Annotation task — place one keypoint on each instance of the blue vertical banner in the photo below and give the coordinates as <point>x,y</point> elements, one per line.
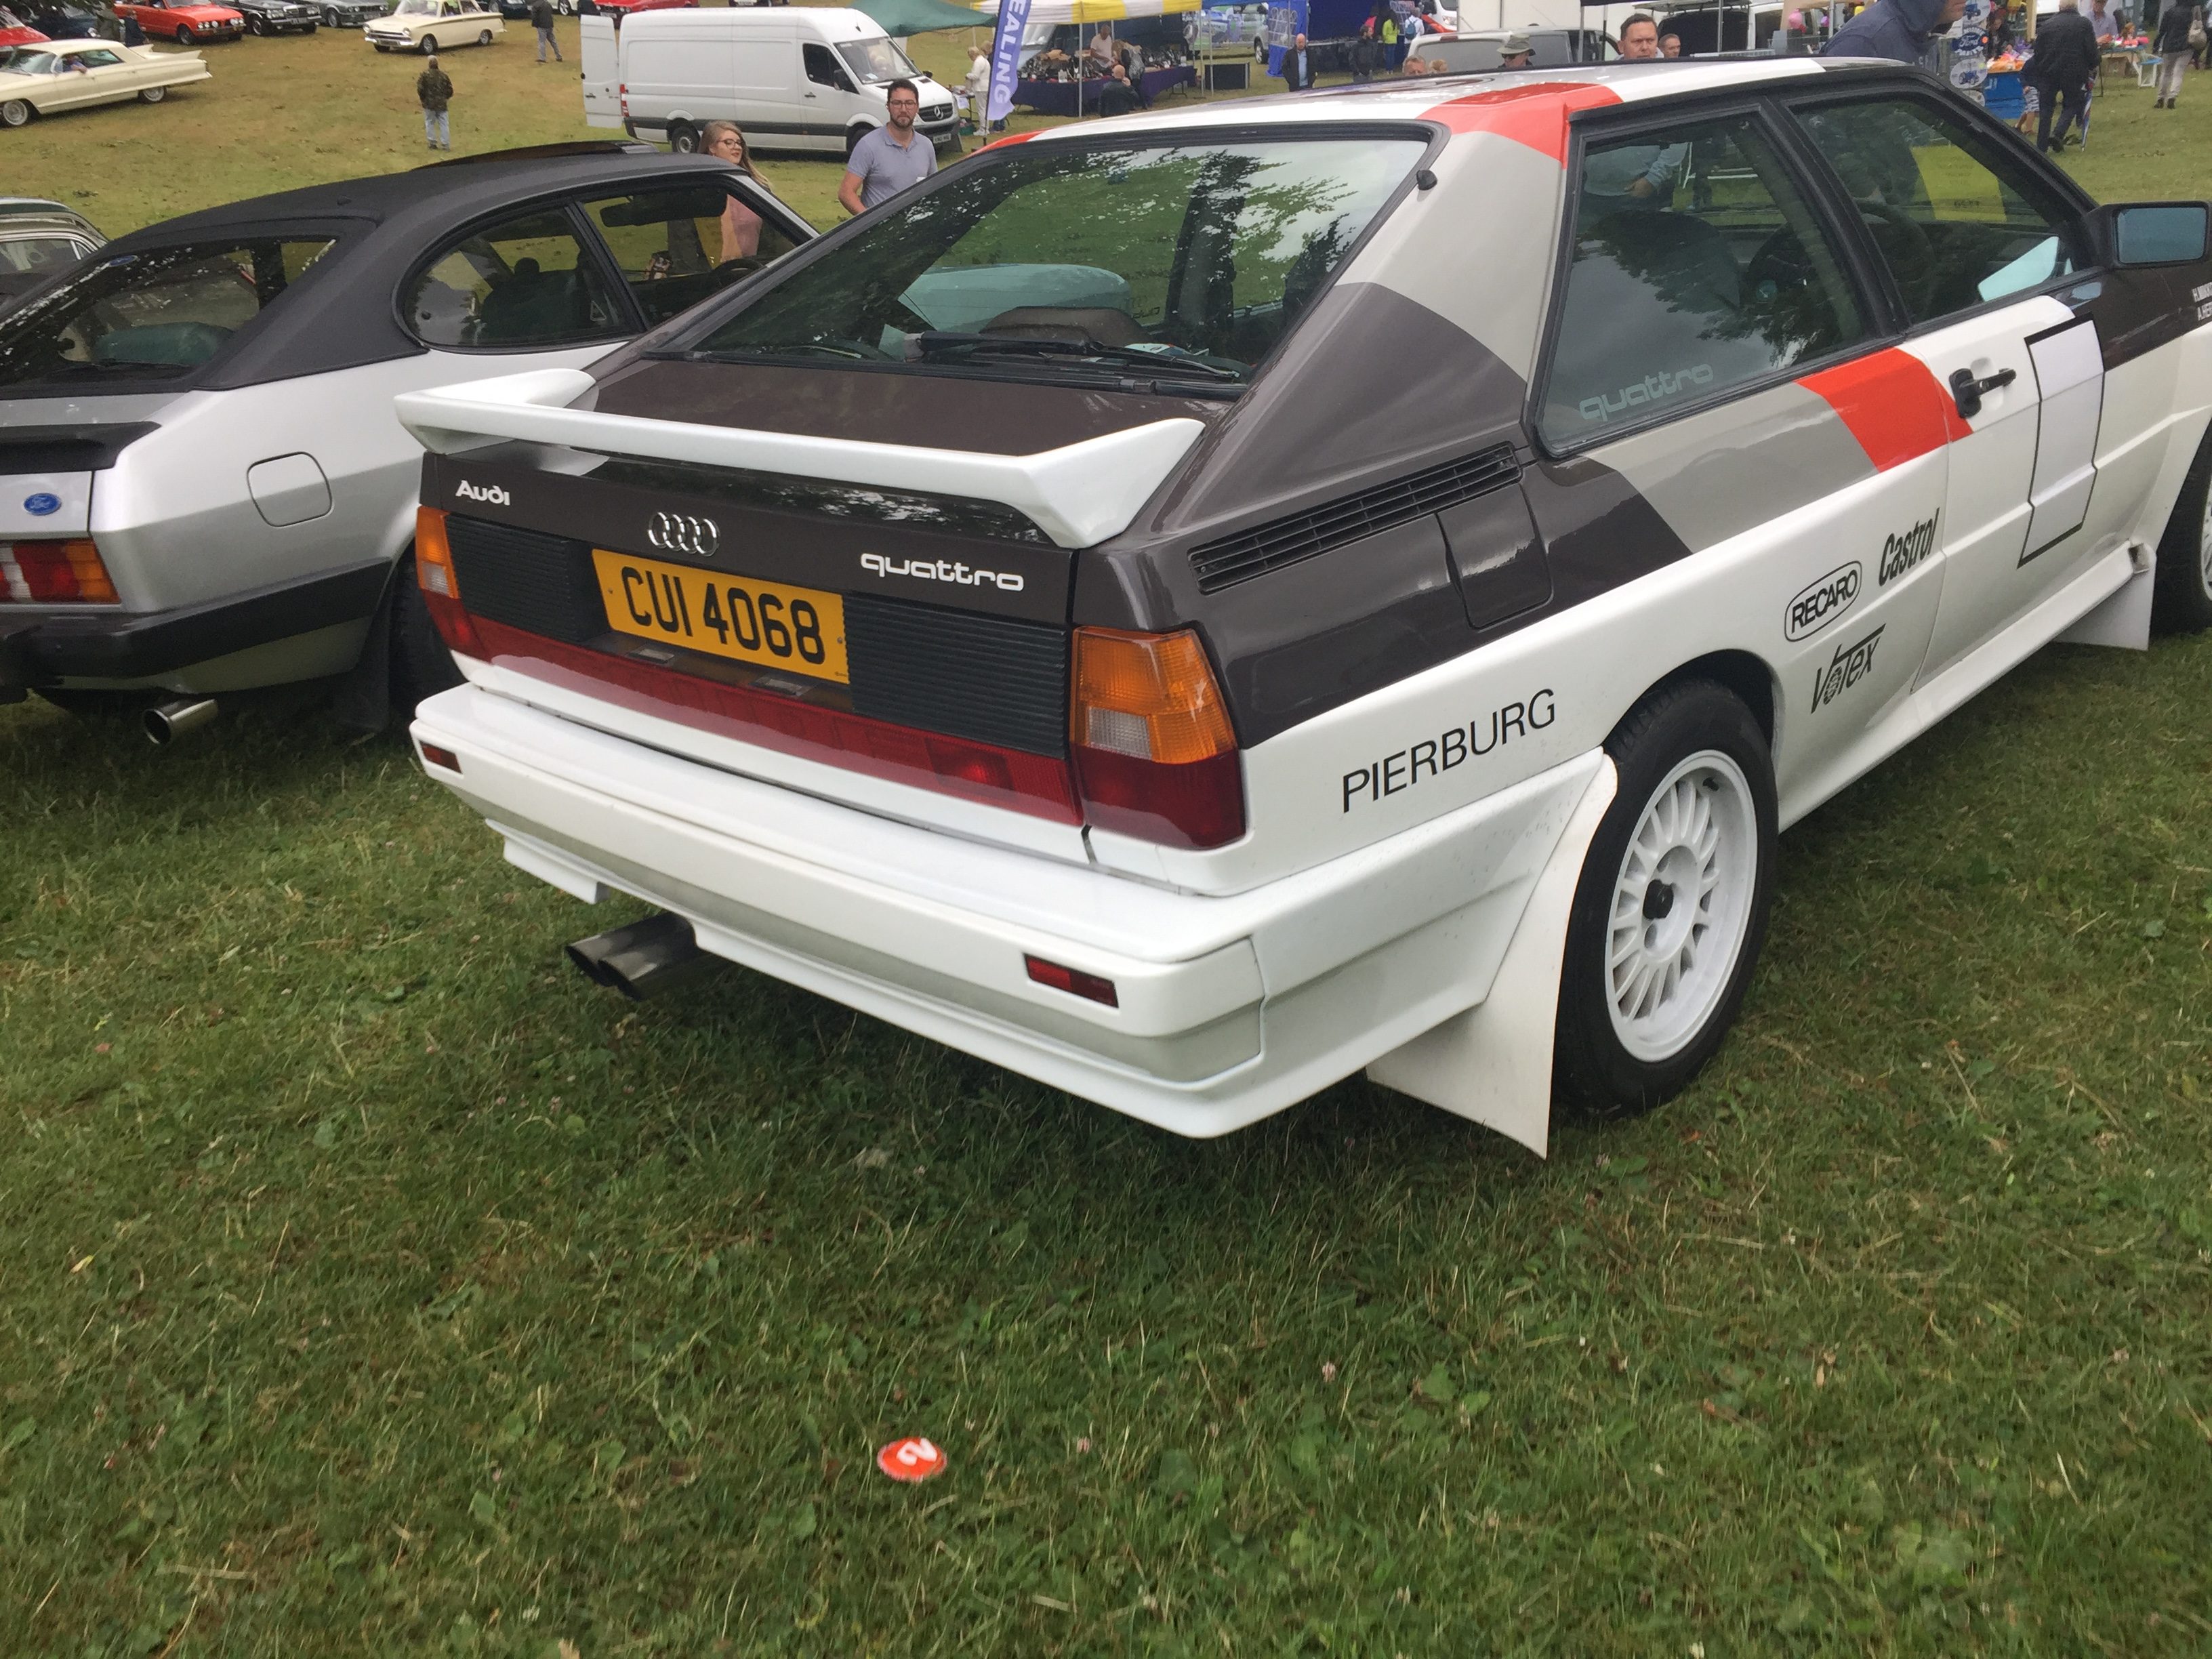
<point>1285,22</point>
<point>1007,56</point>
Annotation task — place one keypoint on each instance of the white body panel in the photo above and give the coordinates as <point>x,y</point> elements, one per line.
<point>601,57</point>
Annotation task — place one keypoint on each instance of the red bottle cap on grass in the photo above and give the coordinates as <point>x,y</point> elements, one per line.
<point>911,1459</point>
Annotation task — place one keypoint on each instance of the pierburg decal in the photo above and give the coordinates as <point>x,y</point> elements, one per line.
<point>1823,602</point>
<point>492,493</point>
<point>1434,756</point>
<point>942,570</point>
<point>1849,664</point>
<point>1901,554</point>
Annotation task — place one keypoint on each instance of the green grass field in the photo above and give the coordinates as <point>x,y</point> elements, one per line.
<point>372,1284</point>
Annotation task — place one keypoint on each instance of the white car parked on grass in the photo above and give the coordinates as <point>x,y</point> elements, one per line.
<point>428,26</point>
<point>54,76</point>
<point>1366,640</point>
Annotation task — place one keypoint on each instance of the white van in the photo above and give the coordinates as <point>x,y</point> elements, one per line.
<point>794,77</point>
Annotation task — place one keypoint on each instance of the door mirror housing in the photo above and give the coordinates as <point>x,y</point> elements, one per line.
<point>2152,233</point>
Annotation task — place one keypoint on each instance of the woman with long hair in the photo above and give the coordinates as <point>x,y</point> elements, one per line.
<point>741,226</point>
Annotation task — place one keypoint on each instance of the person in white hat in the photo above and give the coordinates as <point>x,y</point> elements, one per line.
<point>1515,51</point>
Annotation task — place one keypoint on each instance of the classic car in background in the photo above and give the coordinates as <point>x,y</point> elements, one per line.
<point>202,486</point>
<point>186,23</point>
<point>74,19</point>
<point>59,74</point>
<point>425,26</point>
<point>279,16</point>
<point>15,32</point>
<point>349,14</point>
<point>39,240</point>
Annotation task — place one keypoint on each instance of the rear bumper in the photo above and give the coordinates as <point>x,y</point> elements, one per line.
<point>105,643</point>
<point>1230,1007</point>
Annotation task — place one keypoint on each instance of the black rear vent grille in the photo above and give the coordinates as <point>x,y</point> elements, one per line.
<point>541,583</point>
<point>1286,541</point>
<point>989,679</point>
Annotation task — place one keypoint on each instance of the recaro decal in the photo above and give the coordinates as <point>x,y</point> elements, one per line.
<point>1649,390</point>
<point>1822,602</point>
<point>1448,750</point>
<point>1849,664</point>
<point>1900,553</point>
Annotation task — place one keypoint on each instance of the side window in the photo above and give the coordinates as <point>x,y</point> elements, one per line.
<point>97,59</point>
<point>1696,266</point>
<point>1959,222</point>
<point>821,67</point>
<point>524,283</point>
<point>677,246</point>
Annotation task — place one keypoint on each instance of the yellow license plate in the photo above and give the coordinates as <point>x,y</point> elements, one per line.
<point>755,622</point>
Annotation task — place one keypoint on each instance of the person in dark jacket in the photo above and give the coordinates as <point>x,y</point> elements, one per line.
<point>2064,62</point>
<point>1297,69</point>
<point>541,18</point>
<point>434,90</point>
<point>1900,30</point>
<point>2173,53</point>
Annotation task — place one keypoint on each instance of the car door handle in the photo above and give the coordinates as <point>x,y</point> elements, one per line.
<point>1966,391</point>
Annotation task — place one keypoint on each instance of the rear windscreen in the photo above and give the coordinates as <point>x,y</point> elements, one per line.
<point>154,315</point>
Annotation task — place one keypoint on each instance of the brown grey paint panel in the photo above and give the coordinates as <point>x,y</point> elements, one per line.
<point>1496,555</point>
<point>937,411</point>
<point>1598,531</point>
<point>1719,473</point>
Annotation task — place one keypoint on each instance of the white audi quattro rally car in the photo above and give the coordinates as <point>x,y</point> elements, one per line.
<point>1192,606</point>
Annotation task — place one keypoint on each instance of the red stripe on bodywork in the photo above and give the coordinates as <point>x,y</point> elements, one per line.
<point>1010,138</point>
<point>1535,115</point>
<point>1893,403</point>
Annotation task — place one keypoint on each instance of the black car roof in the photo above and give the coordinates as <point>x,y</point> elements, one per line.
<point>341,314</point>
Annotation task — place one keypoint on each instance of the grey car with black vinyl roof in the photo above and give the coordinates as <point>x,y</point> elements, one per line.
<point>203,487</point>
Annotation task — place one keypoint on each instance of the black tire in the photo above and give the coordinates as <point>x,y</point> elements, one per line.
<point>256,26</point>
<point>2181,591</point>
<point>484,37</point>
<point>329,17</point>
<point>420,666</point>
<point>428,46</point>
<point>15,112</point>
<point>853,139</point>
<point>683,138</point>
<point>566,8</point>
<point>1619,1048</point>
<point>183,34</point>
<point>152,95</point>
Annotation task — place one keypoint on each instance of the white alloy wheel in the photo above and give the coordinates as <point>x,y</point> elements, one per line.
<point>14,113</point>
<point>1682,906</point>
<point>484,37</point>
<point>2204,547</point>
<point>153,94</point>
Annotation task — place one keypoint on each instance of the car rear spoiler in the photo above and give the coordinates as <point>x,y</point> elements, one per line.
<point>1079,494</point>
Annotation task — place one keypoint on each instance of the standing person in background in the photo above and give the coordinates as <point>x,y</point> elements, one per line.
<point>541,18</point>
<point>1640,38</point>
<point>1297,65</point>
<point>891,158</point>
<point>2104,20</point>
<point>741,226</point>
<point>978,86</point>
<point>1900,30</point>
<point>434,92</point>
<point>2064,63</point>
<point>2172,46</point>
<point>1670,45</point>
<point>1102,49</point>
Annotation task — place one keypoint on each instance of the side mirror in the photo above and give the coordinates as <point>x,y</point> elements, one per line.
<point>2152,233</point>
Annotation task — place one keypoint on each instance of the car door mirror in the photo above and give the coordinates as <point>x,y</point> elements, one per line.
<point>2152,233</point>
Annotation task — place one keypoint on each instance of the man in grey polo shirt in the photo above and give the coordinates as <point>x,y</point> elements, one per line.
<point>892,158</point>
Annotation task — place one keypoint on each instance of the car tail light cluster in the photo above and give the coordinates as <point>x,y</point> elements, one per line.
<point>441,588</point>
<point>1154,754</point>
<point>54,571</point>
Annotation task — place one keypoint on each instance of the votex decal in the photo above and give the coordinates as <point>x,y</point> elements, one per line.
<point>1851,663</point>
<point>1434,756</point>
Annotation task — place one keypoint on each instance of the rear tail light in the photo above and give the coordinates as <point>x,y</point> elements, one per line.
<point>441,588</point>
<point>57,572</point>
<point>622,93</point>
<point>1154,754</point>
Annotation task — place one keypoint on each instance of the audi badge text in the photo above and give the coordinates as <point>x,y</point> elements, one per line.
<point>492,493</point>
<point>941,570</point>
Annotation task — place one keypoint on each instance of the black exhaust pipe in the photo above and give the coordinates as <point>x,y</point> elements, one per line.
<point>172,720</point>
<point>645,958</point>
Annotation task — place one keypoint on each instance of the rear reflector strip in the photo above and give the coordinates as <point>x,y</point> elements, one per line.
<point>1073,981</point>
<point>1039,784</point>
<point>433,755</point>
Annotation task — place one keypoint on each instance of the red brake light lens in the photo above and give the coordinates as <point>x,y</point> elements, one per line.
<point>1154,754</point>
<point>1073,981</point>
<point>54,573</point>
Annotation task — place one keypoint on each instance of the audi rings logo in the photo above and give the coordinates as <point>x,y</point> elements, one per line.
<point>679,533</point>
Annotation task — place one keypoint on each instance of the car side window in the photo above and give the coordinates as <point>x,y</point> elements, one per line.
<point>98,59</point>
<point>1697,265</point>
<point>676,247</point>
<point>1959,223</point>
<point>526,282</point>
<point>821,67</point>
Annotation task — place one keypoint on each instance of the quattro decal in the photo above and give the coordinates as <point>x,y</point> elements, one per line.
<point>1850,664</point>
<point>1434,756</point>
<point>1823,602</point>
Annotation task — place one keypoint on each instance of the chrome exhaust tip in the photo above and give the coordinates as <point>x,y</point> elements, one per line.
<point>171,720</point>
<point>645,958</point>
